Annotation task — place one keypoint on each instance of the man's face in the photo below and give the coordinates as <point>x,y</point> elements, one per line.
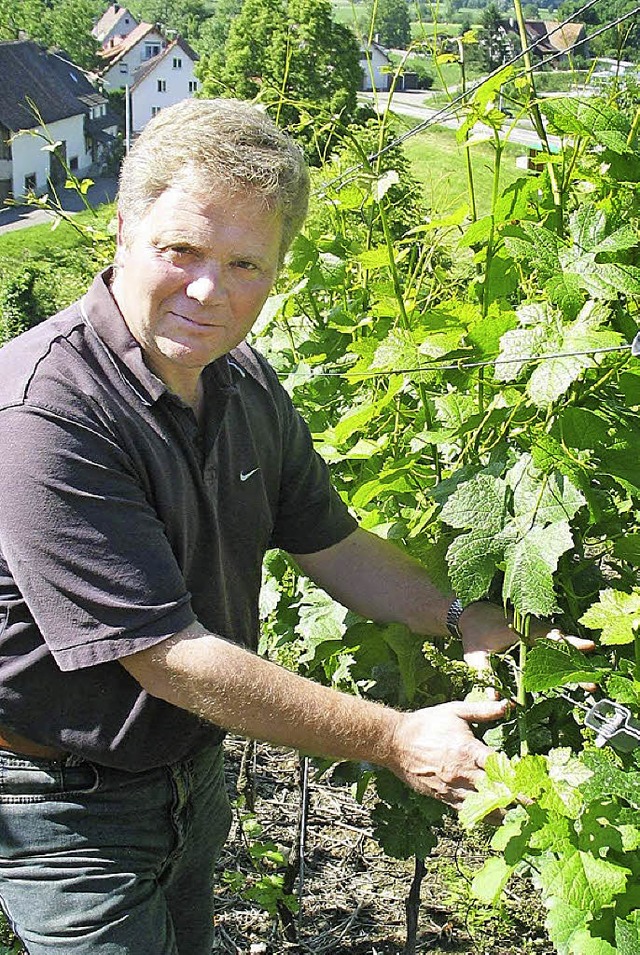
<point>193,277</point>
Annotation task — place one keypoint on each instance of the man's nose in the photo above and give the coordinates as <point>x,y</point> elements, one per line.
<point>205,286</point>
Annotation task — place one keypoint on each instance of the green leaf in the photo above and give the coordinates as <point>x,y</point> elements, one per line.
<point>321,621</point>
<point>581,880</point>
<point>616,614</point>
<point>540,498</point>
<point>530,565</point>
<point>608,778</point>
<point>480,503</point>
<point>488,883</point>
<point>628,935</point>
<point>551,664</point>
<point>472,560</point>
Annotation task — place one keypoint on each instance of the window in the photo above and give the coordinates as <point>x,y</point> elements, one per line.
<point>151,49</point>
<point>73,163</point>
<point>177,63</point>
<point>162,86</point>
<point>5,145</point>
<point>193,86</point>
<point>124,68</point>
<point>155,110</point>
<point>30,182</point>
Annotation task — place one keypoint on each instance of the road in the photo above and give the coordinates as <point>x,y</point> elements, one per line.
<point>413,104</point>
<point>19,217</point>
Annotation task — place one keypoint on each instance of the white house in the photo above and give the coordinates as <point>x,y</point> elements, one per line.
<point>121,56</point>
<point>44,97</point>
<point>162,81</point>
<point>115,22</point>
<point>374,60</point>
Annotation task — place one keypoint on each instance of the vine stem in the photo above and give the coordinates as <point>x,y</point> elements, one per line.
<point>521,625</point>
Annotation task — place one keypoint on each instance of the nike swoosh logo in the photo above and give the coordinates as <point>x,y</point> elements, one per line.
<point>245,475</point>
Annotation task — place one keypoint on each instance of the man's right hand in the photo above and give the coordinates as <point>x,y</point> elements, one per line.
<point>436,753</point>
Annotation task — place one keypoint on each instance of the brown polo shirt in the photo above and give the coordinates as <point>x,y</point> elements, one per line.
<point>122,522</point>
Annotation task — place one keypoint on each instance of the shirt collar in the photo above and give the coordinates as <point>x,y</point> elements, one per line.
<point>102,315</point>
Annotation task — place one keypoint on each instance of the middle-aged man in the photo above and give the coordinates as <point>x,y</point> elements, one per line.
<point>148,459</point>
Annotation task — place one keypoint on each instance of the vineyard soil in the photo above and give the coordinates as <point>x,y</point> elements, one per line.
<point>353,898</point>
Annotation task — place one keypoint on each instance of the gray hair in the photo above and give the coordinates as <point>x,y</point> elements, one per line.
<point>205,145</point>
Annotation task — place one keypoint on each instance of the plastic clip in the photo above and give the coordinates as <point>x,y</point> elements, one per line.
<point>614,724</point>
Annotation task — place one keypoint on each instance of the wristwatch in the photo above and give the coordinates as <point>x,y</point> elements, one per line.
<point>454,613</point>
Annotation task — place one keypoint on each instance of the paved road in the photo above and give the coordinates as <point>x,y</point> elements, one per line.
<point>413,105</point>
<point>19,217</point>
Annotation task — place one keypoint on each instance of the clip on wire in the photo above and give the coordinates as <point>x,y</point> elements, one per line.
<point>612,723</point>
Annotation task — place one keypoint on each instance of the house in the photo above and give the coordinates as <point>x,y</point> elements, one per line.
<point>163,80</point>
<point>115,22</point>
<point>376,67</point>
<point>121,56</point>
<point>44,97</point>
<point>549,38</point>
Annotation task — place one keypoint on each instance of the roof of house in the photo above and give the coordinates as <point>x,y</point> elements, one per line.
<point>109,20</point>
<point>48,80</point>
<point>149,65</point>
<point>551,36</point>
<point>121,45</point>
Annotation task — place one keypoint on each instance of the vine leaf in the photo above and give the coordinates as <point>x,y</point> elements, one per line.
<point>530,565</point>
<point>616,614</point>
<point>551,664</point>
<point>542,336</point>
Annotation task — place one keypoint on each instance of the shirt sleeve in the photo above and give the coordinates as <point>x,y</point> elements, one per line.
<point>84,546</point>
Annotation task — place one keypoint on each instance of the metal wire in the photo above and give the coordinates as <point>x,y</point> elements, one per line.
<point>461,365</point>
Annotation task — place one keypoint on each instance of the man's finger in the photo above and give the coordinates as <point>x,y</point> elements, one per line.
<point>481,711</point>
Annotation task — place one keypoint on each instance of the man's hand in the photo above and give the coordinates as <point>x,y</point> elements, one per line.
<point>436,752</point>
<point>484,631</point>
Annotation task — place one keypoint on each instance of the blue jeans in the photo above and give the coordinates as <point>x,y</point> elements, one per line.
<point>96,861</point>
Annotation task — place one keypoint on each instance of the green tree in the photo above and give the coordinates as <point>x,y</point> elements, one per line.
<point>186,17</point>
<point>492,38</point>
<point>28,17</point>
<point>70,23</point>
<point>391,22</point>
<point>293,57</point>
<point>214,32</point>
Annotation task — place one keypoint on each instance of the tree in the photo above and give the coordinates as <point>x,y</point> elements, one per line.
<point>492,40</point>
<point>214,32</point>
<point>293,57</point>
<point>186,17</point>
<point>70,23</point>
<point>390,22</point>
<point>29,17</point>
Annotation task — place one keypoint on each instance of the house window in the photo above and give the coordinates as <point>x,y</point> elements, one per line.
<point>193,86</point>
<point>151,49</point>
<point>5,145</point>
<point>177,63</point>
<point>162,86</point>
<point>30,182</point>
<point>124,67</point>
<point>155,110</point>
<point>73,163</point>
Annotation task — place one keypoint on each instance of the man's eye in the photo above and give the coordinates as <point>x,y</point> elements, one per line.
<point>245,265</point>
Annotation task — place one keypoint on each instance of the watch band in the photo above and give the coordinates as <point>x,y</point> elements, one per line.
<point>454,613</point>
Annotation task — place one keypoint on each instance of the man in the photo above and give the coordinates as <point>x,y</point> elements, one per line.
<point>149,458</point>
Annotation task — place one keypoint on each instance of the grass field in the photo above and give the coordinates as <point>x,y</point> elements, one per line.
<point>36,239</point>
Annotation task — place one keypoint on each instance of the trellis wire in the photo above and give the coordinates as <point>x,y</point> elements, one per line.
<point>464,365</point>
